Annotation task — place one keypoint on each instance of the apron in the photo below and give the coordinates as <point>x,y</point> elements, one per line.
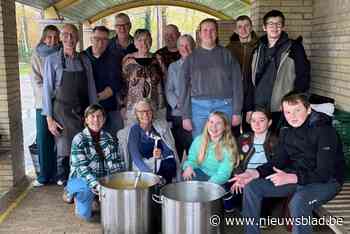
<point>70,101</point>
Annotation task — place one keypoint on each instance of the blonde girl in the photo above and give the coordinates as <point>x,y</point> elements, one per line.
<point>213,154</point>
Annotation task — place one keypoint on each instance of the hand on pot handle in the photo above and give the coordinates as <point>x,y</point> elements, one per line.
<point>188,173</point>
<point>96,189</point>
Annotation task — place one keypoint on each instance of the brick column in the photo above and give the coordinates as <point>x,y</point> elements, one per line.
<point>226,28</point>
<point>298,15</point>
<point>11,142</point>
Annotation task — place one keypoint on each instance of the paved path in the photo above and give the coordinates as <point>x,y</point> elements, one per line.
<point>43,211</point>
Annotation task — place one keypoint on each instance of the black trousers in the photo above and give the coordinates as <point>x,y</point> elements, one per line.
<point>183,138</point>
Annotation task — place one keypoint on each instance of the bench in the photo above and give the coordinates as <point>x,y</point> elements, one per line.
<point>338,207</point>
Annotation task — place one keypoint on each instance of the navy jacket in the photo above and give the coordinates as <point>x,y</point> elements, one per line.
<point>107,70</point>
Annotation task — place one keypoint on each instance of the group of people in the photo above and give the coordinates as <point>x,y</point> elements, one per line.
<point>178,112</point>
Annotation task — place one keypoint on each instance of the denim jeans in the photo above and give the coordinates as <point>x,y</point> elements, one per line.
<point>79,188</point>
<point>201,109</point>
<point>305,198</point>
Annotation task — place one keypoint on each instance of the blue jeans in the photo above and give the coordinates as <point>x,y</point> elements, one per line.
<point>201,109</point>
<point>79,188</point>
<point>305,198</point>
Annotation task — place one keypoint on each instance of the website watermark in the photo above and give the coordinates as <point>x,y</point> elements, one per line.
<point>216,220</point>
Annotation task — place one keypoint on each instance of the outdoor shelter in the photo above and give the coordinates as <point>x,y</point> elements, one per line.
<point>323,24</point>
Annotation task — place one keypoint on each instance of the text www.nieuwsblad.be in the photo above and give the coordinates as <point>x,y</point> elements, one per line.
<point>215,220</point>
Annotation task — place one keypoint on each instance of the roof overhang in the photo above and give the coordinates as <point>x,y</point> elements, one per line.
<point>91,11</point>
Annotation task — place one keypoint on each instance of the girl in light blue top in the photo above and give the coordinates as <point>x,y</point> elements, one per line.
<point>213,154</point>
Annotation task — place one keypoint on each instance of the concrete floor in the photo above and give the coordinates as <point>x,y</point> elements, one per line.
<point>43,211</point>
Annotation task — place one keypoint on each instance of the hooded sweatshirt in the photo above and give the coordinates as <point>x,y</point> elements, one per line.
<point>39,54</point>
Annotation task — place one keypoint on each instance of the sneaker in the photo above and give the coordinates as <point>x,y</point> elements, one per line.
<point>36,183</point>
<point>67,198</point>
<point>60,182</point>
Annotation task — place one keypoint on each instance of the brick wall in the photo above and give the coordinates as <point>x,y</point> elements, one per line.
<point>331,50</point>
<point>11,162</point>
<point>298,15</point>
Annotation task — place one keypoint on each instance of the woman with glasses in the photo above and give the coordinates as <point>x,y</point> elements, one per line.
<point>148,144</point>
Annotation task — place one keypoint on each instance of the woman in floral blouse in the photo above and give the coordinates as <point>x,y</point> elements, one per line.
<point>144,75</point>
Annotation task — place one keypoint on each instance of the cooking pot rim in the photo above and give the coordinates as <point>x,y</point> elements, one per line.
<point>104,184</point>
<point>195,183</point>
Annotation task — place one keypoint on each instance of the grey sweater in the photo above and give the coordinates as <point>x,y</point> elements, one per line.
<point>210,74</point>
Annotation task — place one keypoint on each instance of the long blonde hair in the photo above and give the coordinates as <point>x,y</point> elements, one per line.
<point>227,141</point>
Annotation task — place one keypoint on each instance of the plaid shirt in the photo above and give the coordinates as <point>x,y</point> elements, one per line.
<point>87,164</point>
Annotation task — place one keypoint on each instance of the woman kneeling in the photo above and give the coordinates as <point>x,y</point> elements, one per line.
<point>93,156</point>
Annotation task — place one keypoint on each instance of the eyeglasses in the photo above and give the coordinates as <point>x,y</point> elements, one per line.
<point>68,34</point>
<point>272,24</point>
<point>122,25</point>
<point>100,39</point>
<point>144,111</point>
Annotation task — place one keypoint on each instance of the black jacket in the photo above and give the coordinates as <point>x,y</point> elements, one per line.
<point>107,72</point>
<point>247,150</point>
<point>311,151</point>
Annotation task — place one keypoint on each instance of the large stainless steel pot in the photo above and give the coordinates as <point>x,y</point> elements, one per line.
<point>124,209</point>
<point>187,207</point>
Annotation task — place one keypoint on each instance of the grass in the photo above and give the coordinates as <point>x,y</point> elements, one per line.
<point>24,69</point>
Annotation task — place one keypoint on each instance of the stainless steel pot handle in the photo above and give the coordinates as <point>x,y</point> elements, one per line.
<point>157,199</point>
<point>162,181</point>
<point>100,194</point>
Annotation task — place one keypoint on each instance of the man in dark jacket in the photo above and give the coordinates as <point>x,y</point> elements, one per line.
<point>308,166</point>
<point>279,66</point>
<point>123,41</point>
<point>106,66</point>
<point>242,44</point>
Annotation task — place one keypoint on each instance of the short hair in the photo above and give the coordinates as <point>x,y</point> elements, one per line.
<point>189,39</point>
<point>244,17</point>
<point>94,108</point>
<point>46,31</point>
<point>144,101</point>
<point>142,31</point>
<point>122,15</point>
<point>209,20</point>
<point>101,28</point>
<point>295,97</point>
<point>173,26</point>
<point>73,27</point>
<point>263,110</point>
<point>274,13</point>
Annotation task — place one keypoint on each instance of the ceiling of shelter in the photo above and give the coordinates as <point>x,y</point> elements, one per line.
<point>92,10</point>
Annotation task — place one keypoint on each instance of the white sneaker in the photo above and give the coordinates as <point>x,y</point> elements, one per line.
<point>36,183</point>
<point>60,182</point>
